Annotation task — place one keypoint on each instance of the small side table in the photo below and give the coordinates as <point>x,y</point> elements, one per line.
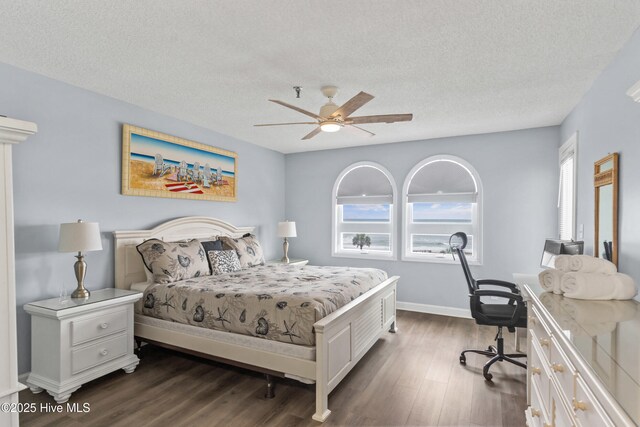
<point>74,341</point>
<point>292,261</point>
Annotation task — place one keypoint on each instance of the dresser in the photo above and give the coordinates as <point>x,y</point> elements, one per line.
<point>583,361</point>
<point>74,341</point>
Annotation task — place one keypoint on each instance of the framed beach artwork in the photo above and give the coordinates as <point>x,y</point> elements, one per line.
<point>155,164</point>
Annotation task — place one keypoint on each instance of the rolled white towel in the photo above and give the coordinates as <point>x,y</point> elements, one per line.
<point>561,262</point>
<point>589,264</point>
<point>550,280</point>
<point>595,286</point>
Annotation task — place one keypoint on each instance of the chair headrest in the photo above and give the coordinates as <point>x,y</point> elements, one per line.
<point>458,241</point>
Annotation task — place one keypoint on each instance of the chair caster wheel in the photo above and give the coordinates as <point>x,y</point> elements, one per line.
<point>488,377</point>
<point>463,360</point>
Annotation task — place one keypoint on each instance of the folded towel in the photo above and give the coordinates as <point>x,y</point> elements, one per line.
<point>595,286</point>
<point>550,280</point>
<point>589,264</point>
<point>561,262</point>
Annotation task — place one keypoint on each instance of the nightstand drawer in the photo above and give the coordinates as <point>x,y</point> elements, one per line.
<point>97,326</point>
<point>98,353</point>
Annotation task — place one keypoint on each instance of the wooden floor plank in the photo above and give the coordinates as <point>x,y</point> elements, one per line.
<point>410,378</point>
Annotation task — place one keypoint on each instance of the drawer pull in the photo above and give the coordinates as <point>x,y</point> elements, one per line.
<point>104,325</point>
<point>104,352</point>
<point>557,367</point>
<point>535,371</point>
<point>544,342</point>
<point>579,405</point>
<point>535,412</point>
<point>532,320</point>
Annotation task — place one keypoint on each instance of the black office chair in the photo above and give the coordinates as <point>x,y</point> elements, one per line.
<point>511,315</point>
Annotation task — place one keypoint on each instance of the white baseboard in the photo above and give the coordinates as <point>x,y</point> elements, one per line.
<point>434,309</point>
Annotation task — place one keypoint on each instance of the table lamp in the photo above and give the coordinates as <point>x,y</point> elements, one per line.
<point>80,237</point>
<point>286,229</point>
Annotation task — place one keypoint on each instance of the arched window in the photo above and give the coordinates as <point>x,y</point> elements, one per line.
<point>364,201</point>
<point>441,195</point>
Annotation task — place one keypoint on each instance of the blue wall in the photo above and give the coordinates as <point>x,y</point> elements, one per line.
<point>608,121</point>
<point>71,169</point>
<point>519,173</point>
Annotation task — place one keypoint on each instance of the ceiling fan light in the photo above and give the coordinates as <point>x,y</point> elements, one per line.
<point>330,127</point>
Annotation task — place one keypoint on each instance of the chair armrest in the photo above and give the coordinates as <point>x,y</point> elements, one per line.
<point>496,293</point>
<point>502,283</point>
<point>518,309</point>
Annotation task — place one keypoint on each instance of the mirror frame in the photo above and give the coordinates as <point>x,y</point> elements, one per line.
<point>601,178</point>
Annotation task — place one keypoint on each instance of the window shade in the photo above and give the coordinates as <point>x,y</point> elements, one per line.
<point>442,181</point>
<point>365,185</point>
<point>565,199</point>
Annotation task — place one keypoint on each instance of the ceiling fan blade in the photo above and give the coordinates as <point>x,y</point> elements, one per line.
<point>352,105</point>
<point>282,124</point>
<point>300,110</point>
<point>312,133</point>
<point>361,130</point>
<point>383,118</point>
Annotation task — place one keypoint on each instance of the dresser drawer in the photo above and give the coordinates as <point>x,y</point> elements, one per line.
<point>588,411</point>
<point>98,353</point>
<point>542,333</point>
<point>539,413</point>
<point>562,415</point>
<point>539,373</point>
<point>99,325</point>
<point>562,369</point>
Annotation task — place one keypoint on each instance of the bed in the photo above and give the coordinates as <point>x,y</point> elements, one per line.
<point>324,356</point>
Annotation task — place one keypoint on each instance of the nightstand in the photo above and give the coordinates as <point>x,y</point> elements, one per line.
<point>74,341</point>
<point>292,261</point>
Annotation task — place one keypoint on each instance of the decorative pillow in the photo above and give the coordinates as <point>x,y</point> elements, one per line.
<point>211,245</point>
<point>248,249</point>
<point>224,262</point>
<point>171,262</point>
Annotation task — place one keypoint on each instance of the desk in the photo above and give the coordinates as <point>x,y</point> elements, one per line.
<point>584,361</point>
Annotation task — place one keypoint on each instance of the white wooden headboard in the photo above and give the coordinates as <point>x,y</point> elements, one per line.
<point>128,262</point>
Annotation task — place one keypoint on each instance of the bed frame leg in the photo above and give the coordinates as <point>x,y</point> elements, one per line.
<point>271,385</point>
<point>138,348</point>
<point>393,328</point>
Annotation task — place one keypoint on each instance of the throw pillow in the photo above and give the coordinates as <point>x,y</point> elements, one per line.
<point>248,249</point>
<point>224,261</point>
<point>171,262</point>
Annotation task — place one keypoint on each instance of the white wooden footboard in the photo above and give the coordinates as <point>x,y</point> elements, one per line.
<point>343,337</point>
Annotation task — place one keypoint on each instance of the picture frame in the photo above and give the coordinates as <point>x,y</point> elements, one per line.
<point>156,164</point>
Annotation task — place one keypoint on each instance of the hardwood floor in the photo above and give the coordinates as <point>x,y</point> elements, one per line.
<point>409,378</point>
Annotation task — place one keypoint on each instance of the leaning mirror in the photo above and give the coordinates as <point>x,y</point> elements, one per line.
<point>605,180</point>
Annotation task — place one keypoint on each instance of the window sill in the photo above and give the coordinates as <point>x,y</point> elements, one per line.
<point>447,259</point>
<point>358,255</point>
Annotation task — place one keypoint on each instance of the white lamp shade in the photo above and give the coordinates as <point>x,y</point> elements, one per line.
<point>79,237</point>
<point>287,229</point>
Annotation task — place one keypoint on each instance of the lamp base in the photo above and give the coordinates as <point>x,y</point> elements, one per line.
<point>80,267</point>
<point>285,248</point>
<point>81,293</point>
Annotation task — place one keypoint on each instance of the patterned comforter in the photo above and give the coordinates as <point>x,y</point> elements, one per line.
<point>276,302</point>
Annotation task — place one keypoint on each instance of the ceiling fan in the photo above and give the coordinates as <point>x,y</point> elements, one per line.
<point>333,118</point>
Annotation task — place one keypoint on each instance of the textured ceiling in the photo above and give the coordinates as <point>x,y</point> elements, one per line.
<point>461,67</point>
